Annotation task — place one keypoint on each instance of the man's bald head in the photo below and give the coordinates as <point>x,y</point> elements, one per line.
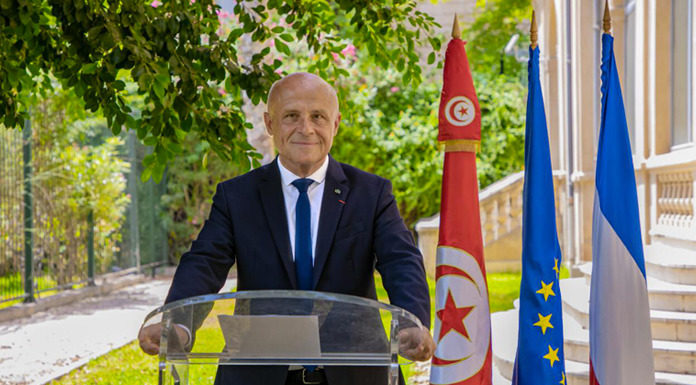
<point>303,119</point>
<point>300,79</point>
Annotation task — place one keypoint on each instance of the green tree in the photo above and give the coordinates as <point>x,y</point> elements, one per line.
<point>391,130</point>
<point>191,181</point>
<point>502,127</point>
<point>176,54</point>
<point>495,22</point>
<point>76,170</point>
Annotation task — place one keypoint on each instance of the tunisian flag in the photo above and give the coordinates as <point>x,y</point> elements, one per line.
<point>463,324</point>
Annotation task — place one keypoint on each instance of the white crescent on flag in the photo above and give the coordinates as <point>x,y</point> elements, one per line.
<point>462,344</point>
<point>460,111</point>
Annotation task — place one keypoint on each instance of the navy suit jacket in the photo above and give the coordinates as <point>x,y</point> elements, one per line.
<point>360,229</point>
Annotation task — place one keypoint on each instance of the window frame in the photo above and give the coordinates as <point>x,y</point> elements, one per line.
<point>689,78</point>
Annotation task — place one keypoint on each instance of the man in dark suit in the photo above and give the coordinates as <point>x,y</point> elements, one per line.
<point>308,222</point>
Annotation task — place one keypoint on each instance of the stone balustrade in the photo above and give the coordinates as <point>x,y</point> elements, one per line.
<point>676,204</point>
<point>501,224</point>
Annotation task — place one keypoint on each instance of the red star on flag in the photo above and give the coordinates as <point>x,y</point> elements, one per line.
<point>463,111</point>
<point>452,317</point>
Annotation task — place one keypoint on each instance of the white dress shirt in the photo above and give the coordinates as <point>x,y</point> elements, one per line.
<point>315,192</point>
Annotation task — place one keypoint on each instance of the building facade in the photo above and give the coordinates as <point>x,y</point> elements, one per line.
<point>654,45</point>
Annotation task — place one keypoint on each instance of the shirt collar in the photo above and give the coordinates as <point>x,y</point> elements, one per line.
<point>287,176</point>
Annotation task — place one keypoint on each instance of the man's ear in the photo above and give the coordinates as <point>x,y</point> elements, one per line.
<point>267,122</point>
<point>337,123</point>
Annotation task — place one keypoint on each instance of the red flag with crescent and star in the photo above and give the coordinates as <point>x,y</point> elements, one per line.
<point>462,324</point>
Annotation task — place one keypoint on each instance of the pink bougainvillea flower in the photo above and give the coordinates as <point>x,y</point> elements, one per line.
<point>349,50</point>
<point>155,3</point>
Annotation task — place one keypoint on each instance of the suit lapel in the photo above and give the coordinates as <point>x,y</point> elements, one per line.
<point>274,208</point>
<point>335,192</point>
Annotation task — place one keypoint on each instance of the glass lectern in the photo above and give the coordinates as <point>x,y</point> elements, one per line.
<point>273,327</point>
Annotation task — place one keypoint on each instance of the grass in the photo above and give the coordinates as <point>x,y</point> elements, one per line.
<point>12,285</point>
<point>129,365</point>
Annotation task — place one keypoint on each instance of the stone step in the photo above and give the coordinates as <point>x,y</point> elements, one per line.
<point>666,325</point>
<point>670,356</point>
<point>663,295</point>
<point>673,267</point>
<point>504,344</point>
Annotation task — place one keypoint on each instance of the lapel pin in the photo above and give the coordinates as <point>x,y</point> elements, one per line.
<point>342,201</point>
<point>337,191</point>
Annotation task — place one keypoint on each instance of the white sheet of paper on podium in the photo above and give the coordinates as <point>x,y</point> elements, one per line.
<point>271,335</point>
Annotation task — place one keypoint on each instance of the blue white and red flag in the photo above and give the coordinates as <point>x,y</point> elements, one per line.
<point>620,337</point>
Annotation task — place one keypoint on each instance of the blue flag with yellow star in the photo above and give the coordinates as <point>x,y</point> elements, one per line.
<point>539,357</point>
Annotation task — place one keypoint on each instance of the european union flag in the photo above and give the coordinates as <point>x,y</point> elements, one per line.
<point>539,357</point>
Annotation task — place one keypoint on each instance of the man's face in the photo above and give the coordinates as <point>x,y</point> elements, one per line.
<point>303,119</point>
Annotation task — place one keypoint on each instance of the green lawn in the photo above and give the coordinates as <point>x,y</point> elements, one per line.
<point>13,284</point>
<point>128,365</point>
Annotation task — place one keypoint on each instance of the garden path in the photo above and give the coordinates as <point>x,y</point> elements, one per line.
<point>50,344</point>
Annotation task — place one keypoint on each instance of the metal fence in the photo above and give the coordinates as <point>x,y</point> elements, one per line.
<point>45,248</point>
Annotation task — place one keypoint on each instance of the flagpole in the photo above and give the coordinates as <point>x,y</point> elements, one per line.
<point>607,18</point>
<point>456,32</point>
<point>533,34</point>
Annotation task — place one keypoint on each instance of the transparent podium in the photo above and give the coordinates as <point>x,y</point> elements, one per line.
<point>273,327</point>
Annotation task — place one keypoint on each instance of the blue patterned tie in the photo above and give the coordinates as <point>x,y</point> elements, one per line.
<point>303,236</point>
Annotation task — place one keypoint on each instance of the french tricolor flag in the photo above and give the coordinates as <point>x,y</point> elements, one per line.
<point>620,337</point>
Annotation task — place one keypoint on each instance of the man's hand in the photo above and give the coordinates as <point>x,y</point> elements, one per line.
<point>149,338</point>
<point>416,344</point>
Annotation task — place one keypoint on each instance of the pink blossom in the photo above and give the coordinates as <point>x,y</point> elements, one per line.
<point>335,56</point>
<point>222,14</point>
<point>221,91</point>
<point>279,71</point>
<point>272,43</point>
<point>394,89</point>
<point>155,3</point>
<point>349,50</point>
<point>193,1</point>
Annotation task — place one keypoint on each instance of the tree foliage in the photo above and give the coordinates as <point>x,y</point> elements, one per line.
<point>175,52</point>
<point>495,22</point>
<point>191,181</point>
<point>391,130</point>
<point>75,170</point>
<point>502,127</point>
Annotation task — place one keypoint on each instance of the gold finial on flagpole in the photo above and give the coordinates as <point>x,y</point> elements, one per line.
<point>533,34</point>
<point>607,17</point>
<point>456,33</point>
